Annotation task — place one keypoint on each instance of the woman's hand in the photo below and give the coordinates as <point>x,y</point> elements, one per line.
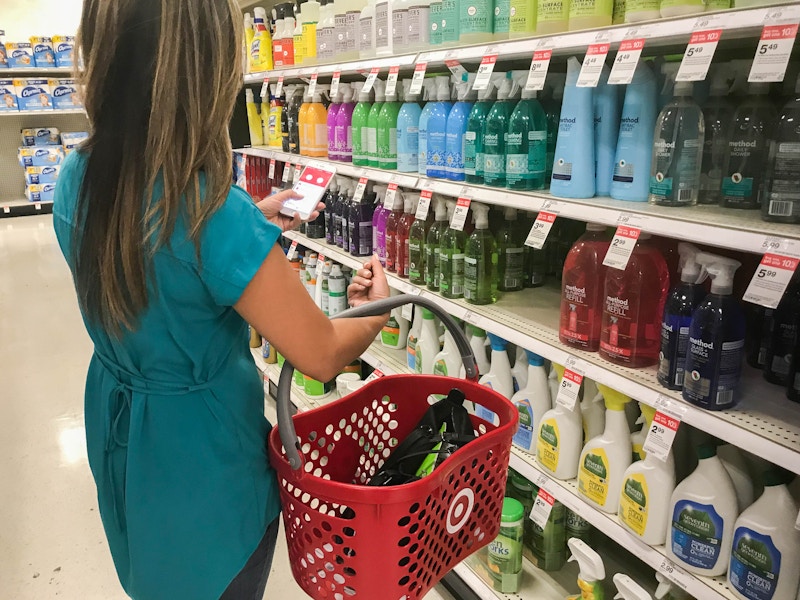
<point>271,208</point>
<point>369,284</point>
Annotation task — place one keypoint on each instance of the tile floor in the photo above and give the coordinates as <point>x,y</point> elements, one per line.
<point>51,540</point>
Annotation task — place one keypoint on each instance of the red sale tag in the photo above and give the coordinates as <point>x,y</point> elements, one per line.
<point>272,169</point>
<point>538,71</point>
<point>361,187</point>
<point>376,374</point>
<point>661,435</point>
<point>312,85</point>
<point>460,214</point>
<point>337,77</point>
<point>485,72</point>
<point>391,80</point>
<point>621,248</point>
<point>424,205</point>
<point>773,52</point>
<point>771,280</point>
<point>541,229</point>
<point>592,66</point>
<point>569,389</point>
<point>542,507</point>
<point>373,75</point>
<point>625,63</point>
<point>455,68</point>
<point>265,88</point>
<point>417,78</point>
<point>391,192</point>
<point>698,55</point>
<point>279,87</point>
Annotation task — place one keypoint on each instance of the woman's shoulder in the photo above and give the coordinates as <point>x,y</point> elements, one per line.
<point>68,186</point>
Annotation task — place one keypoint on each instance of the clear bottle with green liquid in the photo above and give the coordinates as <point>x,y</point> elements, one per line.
<point>526,145</point>
<point>480,260</point>
<point>495,132</point>
<point>451,259</point>
<point>433,243</point>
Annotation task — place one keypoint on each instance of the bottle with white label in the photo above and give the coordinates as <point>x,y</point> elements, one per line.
<point>366,31</point>
<point>427,344</point>
<point>532,401</point>
<point>780,201</point>
<point>326,32</point>
<point>644,497</point>
<point>520,369</point>
<point>734,464</point>
<point>413,339</point>
<point>384,40</point>
<point>477,341</point>
<point>605,458</point>
<point>448,361</point>
<point>337,286</point>
<point>702,512</point>
<point>418,24</point>
<point>560,438</point>
<point>766,546</point>
<point>499,377</point>
<point>394,334</point>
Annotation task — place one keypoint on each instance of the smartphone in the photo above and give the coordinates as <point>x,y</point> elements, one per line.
<point>313,182</point>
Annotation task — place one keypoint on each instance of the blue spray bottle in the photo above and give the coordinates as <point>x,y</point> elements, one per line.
<point>681,303</point>
<point>606,131</point>
<point>437,129</point>
<point>631,177</point>
<point>716,340</point>
<point>573,165</point>
<point>428,97</point>
<point>408,131</point>
<point>457,127</point>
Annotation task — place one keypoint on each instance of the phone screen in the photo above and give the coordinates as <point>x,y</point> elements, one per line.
<point>313,182</point>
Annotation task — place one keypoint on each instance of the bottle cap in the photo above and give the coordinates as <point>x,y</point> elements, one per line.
<point>721,270</point>
<point>498,343</point>
<point>706,451</point>
<point>614,400</point>
<point>628,589</point>
<point>589,561</point>
<point>534,359</point>
<point>691,270</point>
<point>442,88</point>
<point>513,510</point>
<point>480,213</point>
<point>475,330</point>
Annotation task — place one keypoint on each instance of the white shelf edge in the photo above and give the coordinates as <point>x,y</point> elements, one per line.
<point>45,112</point>
<point>736,23</point>
<point>37,71</point>
<point>654,220</point>
<point>618,378</point>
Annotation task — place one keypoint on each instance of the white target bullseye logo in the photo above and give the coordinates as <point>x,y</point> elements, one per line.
<point>460,510</point>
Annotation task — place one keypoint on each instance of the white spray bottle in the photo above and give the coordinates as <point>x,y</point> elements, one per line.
<point>592,571</point>
<point>628,589</point>
<point>560,438</point>
<point>532,401</point>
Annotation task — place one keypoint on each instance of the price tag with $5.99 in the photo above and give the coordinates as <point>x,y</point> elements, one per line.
<point>569,389</point>
<point>770,280</point>
<point>542,507</point>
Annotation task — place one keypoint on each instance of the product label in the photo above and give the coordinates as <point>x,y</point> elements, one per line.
<point>502,15</point>
<point>696,534</point>
<point>674,346</point>
<point>707,362</point>
<point>593,476</point>
<point>440,368</point>
<point>326,43</point>
<point>524,436</point>
<point>436,23</point>
<point>365,34</point>
<point>475,16</point>
<point>755,564</point>
<point>505,554</point>
<point>633,503</point>
<point>513,273</point>
<point>382,25</point>
<point>547,445</point>
<point>470,152</point>
<point>390,335</point>
<point>418,24</point>
<point>400,26</point>
<point>783,196</point>
<point>562,170</point>
<point>415,263</point>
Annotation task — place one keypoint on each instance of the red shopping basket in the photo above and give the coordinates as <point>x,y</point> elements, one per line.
<point>347,540</point>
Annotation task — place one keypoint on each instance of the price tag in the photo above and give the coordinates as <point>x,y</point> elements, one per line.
<point>320,265</point>
<point>37,206</point>
<point>265,88</point>
<point>391,192</point>
<point>391,80</point>
<point>272,168</point>
<point>770,280</point>
<point>541,229</point>
<point>675,573</point>
<point>6,210</point>
<point>472,318</point>
<point>773,52</point>
<point>698,55</point>
<point>538,72</point>
<point>661,435</point>
<point>619,252</point>
<point>376,374</point>
<point>286,169</point>
<point>542,507</point>
<point>292,250</point>
<point>424,205</point>
<point>456,68</point>
<point>569,389</point>
<point>312,85</point>
<point>460,214</point>
<point>485,72</point>
<point>625,63</point>
<point>296,175</point>
<point>592,66</point>
<point>373,75</point>
<point>417,78</point>
<point>337,77</point>
<point>361,187</point>
<point>279,87</point>
<point>408,312</point>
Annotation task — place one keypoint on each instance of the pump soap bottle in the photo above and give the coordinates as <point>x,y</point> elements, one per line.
<point>480,260</point>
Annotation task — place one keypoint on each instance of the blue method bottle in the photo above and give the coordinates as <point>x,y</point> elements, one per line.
<point>408,132</point>
<point>437,130</point>
<point>457,128</point>
<point>716,340</point>
<point>678,310</point>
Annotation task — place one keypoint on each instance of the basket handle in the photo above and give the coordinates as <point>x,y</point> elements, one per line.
<point>370,309</point>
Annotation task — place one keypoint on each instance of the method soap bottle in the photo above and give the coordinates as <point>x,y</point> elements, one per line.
<point>480,260</point>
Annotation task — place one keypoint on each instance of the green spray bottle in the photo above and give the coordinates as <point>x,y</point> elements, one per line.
<point>451,258</point>
<point>526,143</point>
<point>433,243</point>
<point>416,247</point>
<point>360,127</point>
<point>372,123</point>
<point>473,138</point>
<point>494,133</point>
<point>387,132</point>
<point>480,260</point>
<point>510,253</point>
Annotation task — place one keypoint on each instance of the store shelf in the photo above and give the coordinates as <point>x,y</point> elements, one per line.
<point>714,225</point>
<point>764,423</point>
<point>37,71</point>
<point>23,208</point>
<point>535,583</point>
<point>663,33</point>
<point>272,372</point>
<point>23,113</point>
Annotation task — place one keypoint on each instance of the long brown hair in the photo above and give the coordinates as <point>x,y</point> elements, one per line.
<point>159,84</point>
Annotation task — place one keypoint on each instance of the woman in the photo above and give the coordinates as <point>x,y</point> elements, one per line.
<point>169,263</point>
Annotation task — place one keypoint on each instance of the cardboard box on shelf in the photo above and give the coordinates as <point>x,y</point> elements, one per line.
<point>33,94</point>
<point>19,55</point>
<point>41,136</point>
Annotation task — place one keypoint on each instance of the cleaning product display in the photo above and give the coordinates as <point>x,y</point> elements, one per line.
<point>532,402</point>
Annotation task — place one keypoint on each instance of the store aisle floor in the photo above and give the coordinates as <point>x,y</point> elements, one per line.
<point>51,540</point>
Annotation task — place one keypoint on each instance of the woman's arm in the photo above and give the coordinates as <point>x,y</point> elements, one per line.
<point>280,308</point>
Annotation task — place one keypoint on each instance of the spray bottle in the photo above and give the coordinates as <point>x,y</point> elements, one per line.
<point>402,246</point>
<point>532,401</point>
<point>499,376</point>
<point>457,127</point>
<point>433,242</point>
<point>436,150</point>
<point>416,248</point>
<point>510,252</point>
<point>495,132</point>
<point>451,258</point>
<point>372,123</point>
<point>413,339</point>
<point>592,571</point>
<point>249,35</point>
<point>428,98</point>
<point>593,410</point>
<point>526,141</point>
<point>474,136</point>
<point>360,224</point>
<point>667,590</point>
<point>638,438</point>
<point>678,310</point>
<point>387,132</point>
<point>480,261</point>
<point>394,334</point>
<point>628,589</point>
<point>718,113</point>
<point>716,339</point>
<point>427,344</point>
<point>392,224</point>
<point>261,48</point>
<point>333,112</point>
<point>254,119</point>
<point>379,224</point>
<point>344,125</point>
<point>408,131</point>
<point>360,124</point>
<point>560,437</point>
<point>605,458</point>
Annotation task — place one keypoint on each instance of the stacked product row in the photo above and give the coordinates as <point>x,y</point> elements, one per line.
<point>38,94</point>
<point>40,156</point>
<point>310,31</point>
<point>604,141</point>
<point>40,52</point>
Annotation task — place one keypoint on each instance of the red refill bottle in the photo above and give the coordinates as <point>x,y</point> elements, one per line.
<point>392,223</point>
<point>634,306</point>
<point>403,228</point>
<point>582,284</point>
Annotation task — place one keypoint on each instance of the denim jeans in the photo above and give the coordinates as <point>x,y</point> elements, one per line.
<point>251,581</point>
